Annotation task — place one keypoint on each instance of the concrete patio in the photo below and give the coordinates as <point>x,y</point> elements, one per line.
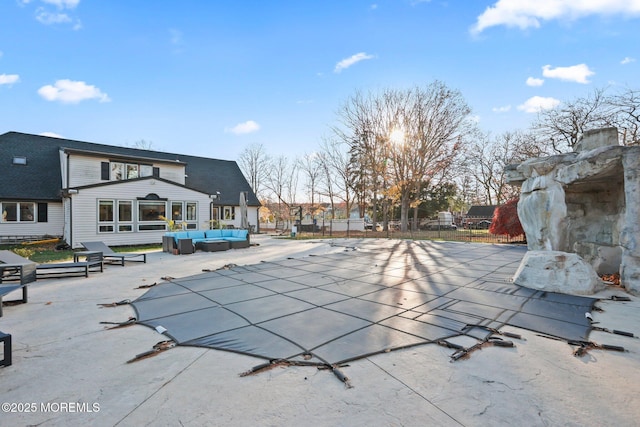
<point>69,370</point>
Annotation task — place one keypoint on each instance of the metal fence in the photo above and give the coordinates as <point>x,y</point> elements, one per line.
<point>459,235</point>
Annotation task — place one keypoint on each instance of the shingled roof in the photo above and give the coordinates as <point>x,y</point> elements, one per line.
<point>40,179</point>
<point>479,211</point>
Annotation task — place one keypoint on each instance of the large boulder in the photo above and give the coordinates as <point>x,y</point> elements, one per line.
<point>556,271</point>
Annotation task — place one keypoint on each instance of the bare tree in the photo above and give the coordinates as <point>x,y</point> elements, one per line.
<point>254,163</point>
<point>282,182</point>
<point>406,136</point>
<point>338,177</point>
<point>627,118</point>
<point>487,158</point>
<point>562,127</point>
<point>141,144</point>
<point>361,126</point>
<point>310,165</point>
<point>434,121</point>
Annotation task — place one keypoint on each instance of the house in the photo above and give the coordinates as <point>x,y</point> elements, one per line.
<point>84,191</point>
<point>479,216</point>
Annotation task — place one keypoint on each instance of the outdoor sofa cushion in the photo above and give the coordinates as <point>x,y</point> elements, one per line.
<point>196,236</point>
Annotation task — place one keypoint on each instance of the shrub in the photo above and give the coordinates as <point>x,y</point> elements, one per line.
<point>24,252</point>
<point>506,221</point>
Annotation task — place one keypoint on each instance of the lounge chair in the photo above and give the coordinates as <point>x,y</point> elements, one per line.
<point>111,257</point>
<point>14,268</point>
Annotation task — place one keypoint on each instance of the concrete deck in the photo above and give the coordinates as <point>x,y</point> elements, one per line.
<point>69,370</point>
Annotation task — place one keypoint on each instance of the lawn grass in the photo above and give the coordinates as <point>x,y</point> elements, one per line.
<point>47,252</point>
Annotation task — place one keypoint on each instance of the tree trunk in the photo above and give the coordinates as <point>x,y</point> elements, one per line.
<point>404,210</point>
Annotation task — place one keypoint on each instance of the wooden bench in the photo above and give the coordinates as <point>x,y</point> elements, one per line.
<point>68,269</point>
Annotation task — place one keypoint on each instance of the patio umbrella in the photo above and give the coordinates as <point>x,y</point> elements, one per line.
<point>244,220</point>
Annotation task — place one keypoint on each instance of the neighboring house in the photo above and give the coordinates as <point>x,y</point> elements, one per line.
<point>83,191</point>
<point>479,213</point>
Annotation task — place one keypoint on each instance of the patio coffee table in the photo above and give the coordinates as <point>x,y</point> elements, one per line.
<point>213,245</point>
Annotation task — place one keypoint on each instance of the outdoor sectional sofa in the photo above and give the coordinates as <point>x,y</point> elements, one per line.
<point>186,242</point>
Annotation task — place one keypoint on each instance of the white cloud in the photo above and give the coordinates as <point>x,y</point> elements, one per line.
<point>575,73</point>
<point>45,15</point>
<point>63,4</point>
<point>9,79</point>
<point>1,54</point>
<point>348,62</point>
<point>532,81</point>
<point>502,109</point>
<point>48,18</point>
<point>51,134</point>
<point>242,128</point>
<point>536,104</point>
<point>625,61</point>
<point>72,92</point>
<point>529,13</point>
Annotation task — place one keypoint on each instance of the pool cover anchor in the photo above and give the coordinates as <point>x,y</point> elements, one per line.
<point>494,331</point>
<point>128,322</point>
<point>115,304</point>
<point>158,348</point>
<point>585,346</point>
<point>284,362</point>
<point>492,340</point>
<point>614,331</point>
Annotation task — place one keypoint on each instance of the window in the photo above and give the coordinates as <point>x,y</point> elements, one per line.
<point>18,212</point>
<point>149,213</point>
<point>192,211</point>
<point>125,216</point>
<point>132,171</point>
<point>192,215</point>
<point>105,216</point>
<point>117,171</point>
<point>229,212</point>
<point>19,160</point>
<point>176,211</point>
<point>27,212</point>
<point>9,212</point>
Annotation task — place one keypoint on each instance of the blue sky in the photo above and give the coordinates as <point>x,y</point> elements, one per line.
<point>209,78</point>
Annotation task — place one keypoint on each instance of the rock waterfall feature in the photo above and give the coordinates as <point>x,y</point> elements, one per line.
<point>581,215</point>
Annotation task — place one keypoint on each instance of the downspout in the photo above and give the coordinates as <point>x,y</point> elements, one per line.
<point>71,221</point>
<point>70,203</point>
<point>210,214</point>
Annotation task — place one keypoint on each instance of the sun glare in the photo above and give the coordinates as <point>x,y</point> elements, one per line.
<point>397,136</point>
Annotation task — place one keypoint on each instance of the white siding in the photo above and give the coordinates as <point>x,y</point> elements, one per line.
<point>53,227</point>
<point>83,170</point>
<point>85,210</point>
<point>173,173</point>
<point>86,170</point>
